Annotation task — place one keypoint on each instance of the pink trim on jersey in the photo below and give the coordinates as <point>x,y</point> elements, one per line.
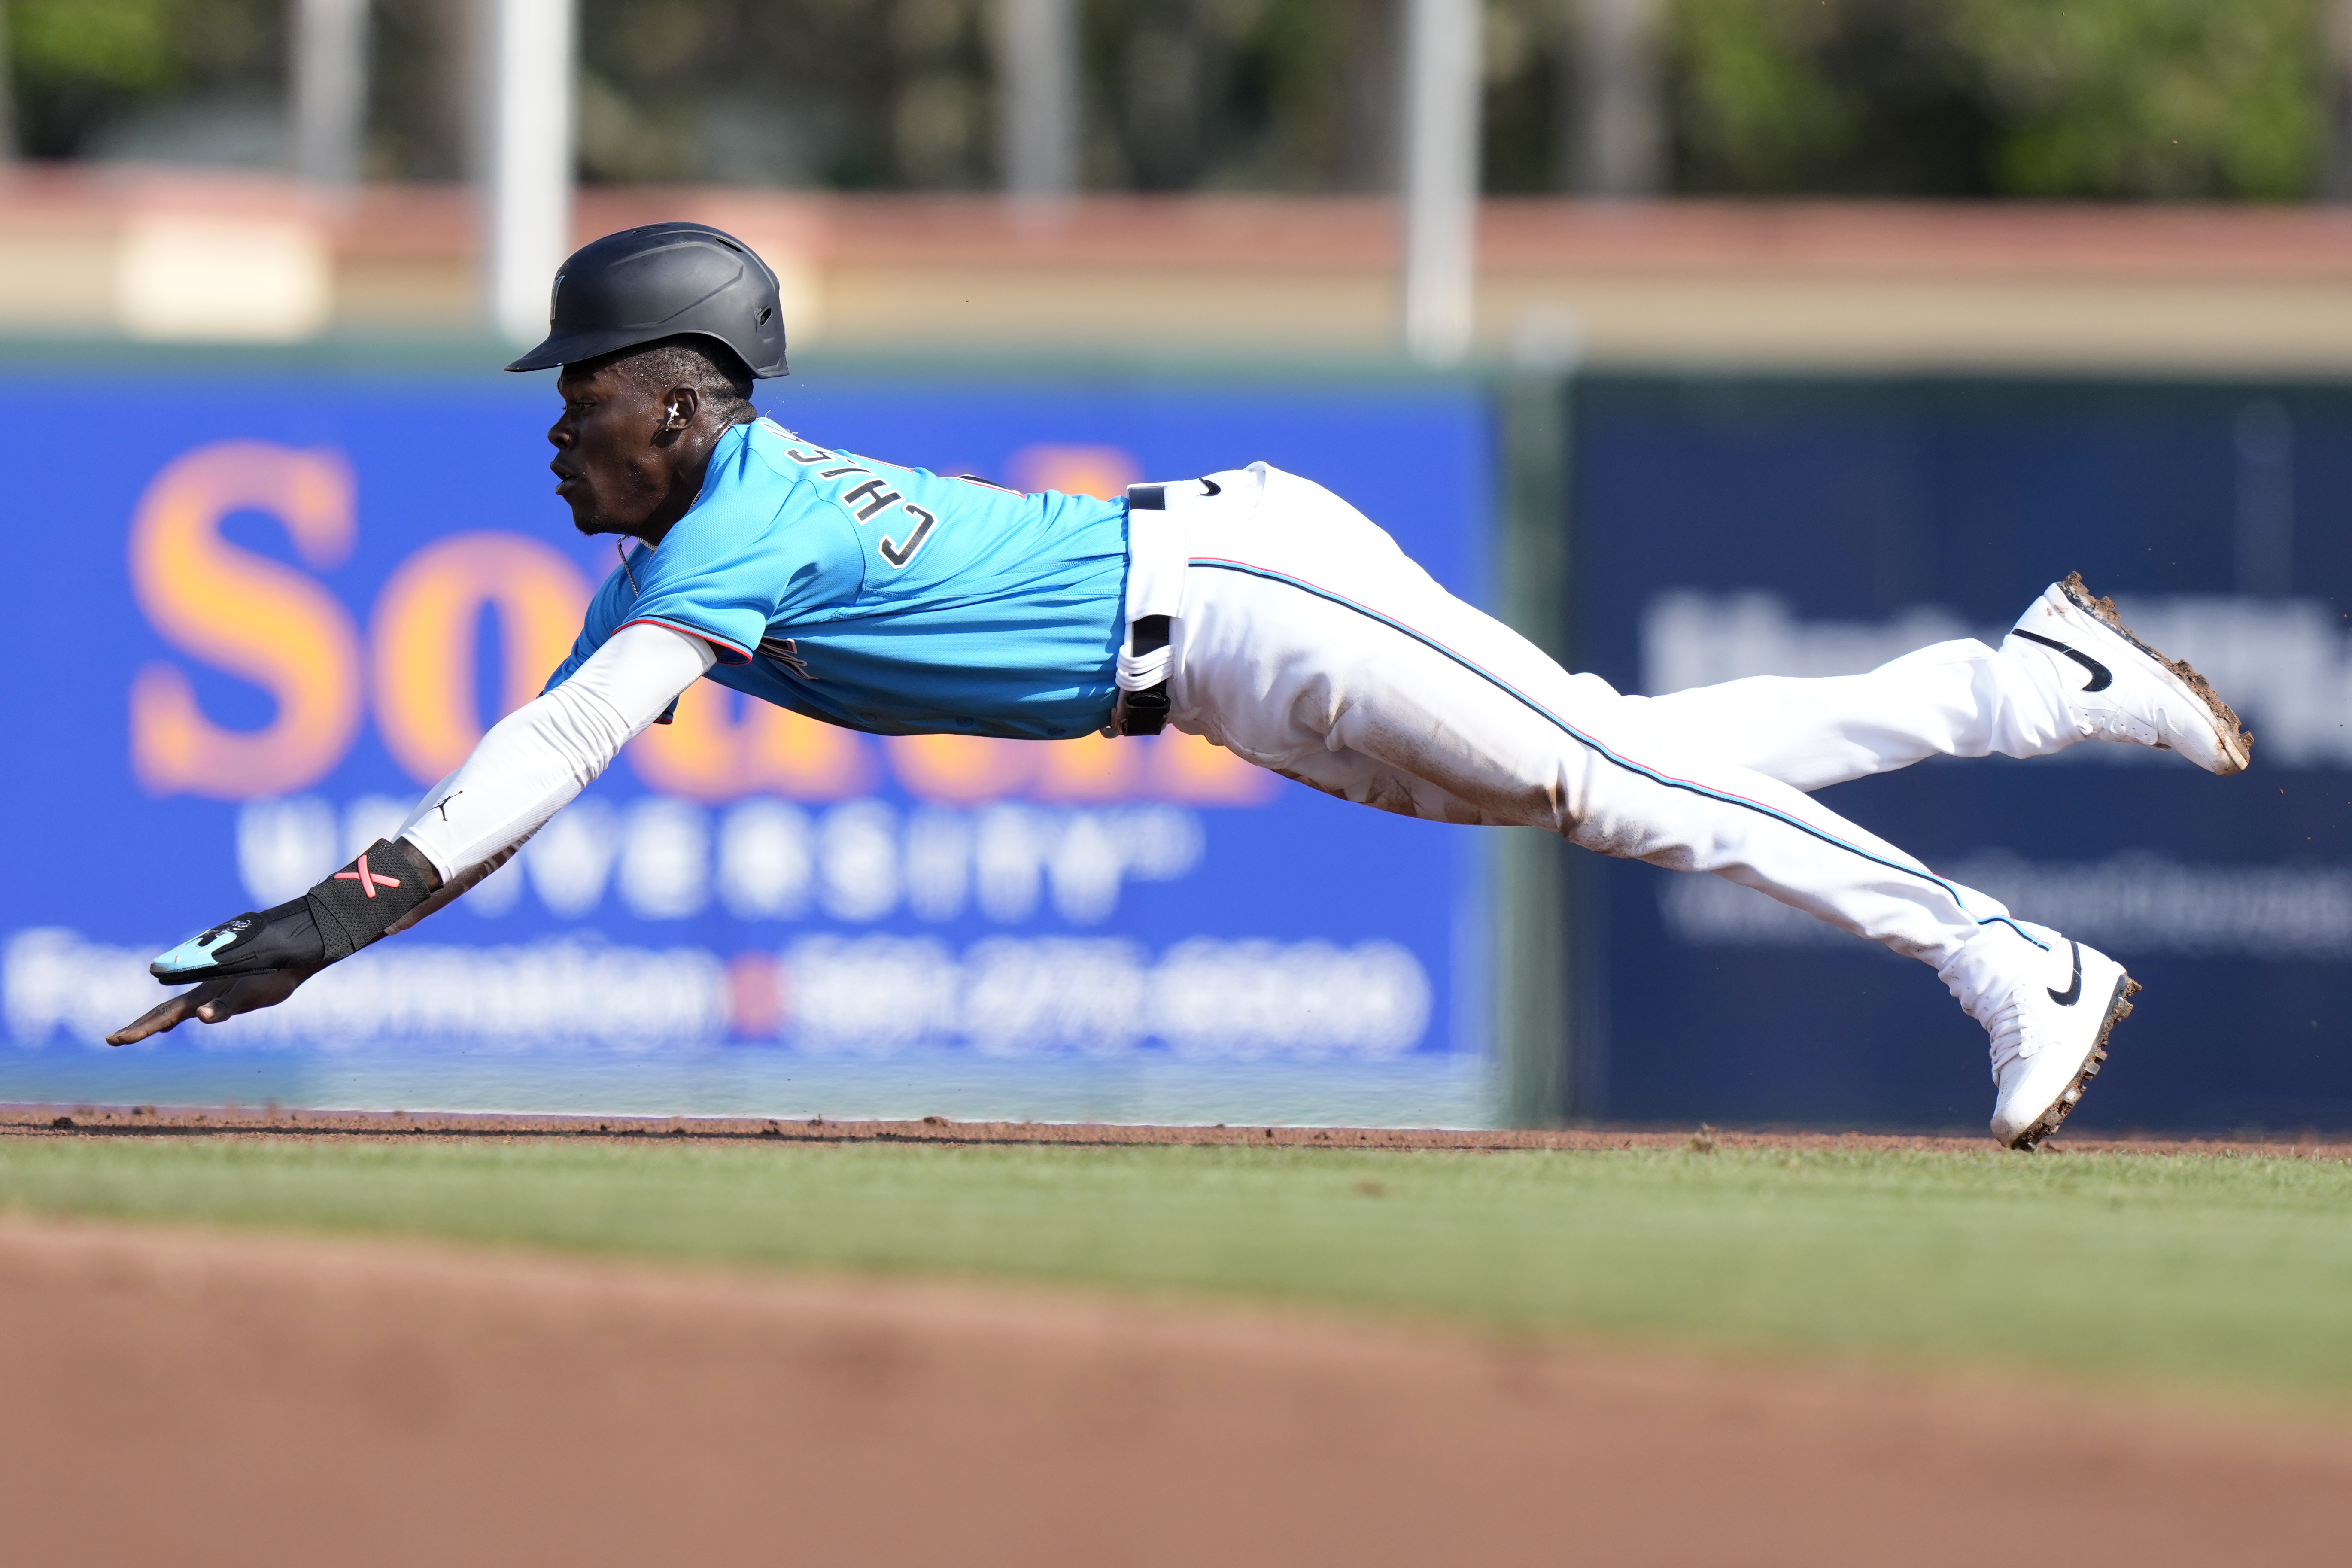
<point>719,644</point>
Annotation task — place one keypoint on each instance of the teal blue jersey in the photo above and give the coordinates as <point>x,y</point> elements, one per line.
<point>891,600</point>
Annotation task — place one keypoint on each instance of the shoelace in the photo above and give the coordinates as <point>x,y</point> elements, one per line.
<point>2007,1028</point>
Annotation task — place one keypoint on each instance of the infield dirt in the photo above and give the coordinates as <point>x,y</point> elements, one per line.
<point>194,1398</point>
<point>277,1122</point>
<point>189,1395</point>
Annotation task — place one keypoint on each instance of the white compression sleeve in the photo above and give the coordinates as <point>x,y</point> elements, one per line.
<point>538,757</point>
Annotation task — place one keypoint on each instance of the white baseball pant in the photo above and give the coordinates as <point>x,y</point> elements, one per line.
<point>1309,644</point>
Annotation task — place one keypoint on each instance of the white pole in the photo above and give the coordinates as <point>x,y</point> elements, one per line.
<point>526,157</point>
<point>1440,177</point>
<point>1621,140</point>
<point>1037,97</point>
<point>330,109</point>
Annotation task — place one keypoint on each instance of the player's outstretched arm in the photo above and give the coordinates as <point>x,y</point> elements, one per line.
<point>530,766</point>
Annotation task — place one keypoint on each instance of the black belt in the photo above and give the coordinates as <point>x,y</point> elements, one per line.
<point>1144,713</point>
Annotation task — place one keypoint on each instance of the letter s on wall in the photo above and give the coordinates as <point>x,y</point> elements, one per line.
<point>424,635</point>
<point>246,614</point>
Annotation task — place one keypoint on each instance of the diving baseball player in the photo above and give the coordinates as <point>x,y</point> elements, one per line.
<point>1249,606</point>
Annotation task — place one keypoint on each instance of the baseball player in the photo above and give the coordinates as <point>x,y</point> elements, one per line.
<point>1249,606</point>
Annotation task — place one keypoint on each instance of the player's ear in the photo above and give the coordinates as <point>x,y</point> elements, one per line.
<point>680,406</point>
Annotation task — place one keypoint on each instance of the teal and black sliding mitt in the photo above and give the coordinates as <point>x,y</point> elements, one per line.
<point>334,920</point>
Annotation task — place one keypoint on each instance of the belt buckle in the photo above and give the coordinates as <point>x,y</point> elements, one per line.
<point>1141,712</point>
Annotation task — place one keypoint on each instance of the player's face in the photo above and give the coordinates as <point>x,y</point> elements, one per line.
<point>615,457</point>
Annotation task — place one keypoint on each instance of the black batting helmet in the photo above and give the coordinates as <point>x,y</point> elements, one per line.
<point>662,280</point>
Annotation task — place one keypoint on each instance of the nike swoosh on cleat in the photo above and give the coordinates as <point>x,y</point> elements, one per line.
<point>2074,992</point>
<point>2101,676</point>
<point>1214,489</point>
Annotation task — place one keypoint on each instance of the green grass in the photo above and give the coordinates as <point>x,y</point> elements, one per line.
<point>2221,1273</point>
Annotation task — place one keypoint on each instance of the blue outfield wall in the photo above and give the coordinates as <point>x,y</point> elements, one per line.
<point>1727,528</point>
<point>254,615</point>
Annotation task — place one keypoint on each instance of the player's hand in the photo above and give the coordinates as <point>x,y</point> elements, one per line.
<point>259,958</point>
<point>213,1001</point>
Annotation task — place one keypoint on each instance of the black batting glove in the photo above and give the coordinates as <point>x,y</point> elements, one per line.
<point>334,920</point>
<point>253,943</point>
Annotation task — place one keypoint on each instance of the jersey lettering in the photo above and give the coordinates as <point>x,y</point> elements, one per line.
<point>793,444</point>
<point>874,499</point>
<point>949,597</point>
<point>899,554</point>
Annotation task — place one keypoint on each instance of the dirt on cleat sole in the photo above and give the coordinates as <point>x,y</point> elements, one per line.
<point>2236,739</point>
<point>2119,1007</point>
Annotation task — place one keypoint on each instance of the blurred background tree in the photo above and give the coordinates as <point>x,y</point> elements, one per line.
<point>2151,98</point>
<point>2102,99</point>
<point>198,79</point>
<point>2018,98</point>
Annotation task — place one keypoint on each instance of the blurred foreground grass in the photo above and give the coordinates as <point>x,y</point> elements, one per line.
<point>2220,1272</point>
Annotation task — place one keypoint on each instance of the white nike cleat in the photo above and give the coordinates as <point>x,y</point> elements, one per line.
<point>2049,1037</point>
<point>2119,689</point>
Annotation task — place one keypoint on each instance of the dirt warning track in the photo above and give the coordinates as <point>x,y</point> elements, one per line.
<point>194,1398</point>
